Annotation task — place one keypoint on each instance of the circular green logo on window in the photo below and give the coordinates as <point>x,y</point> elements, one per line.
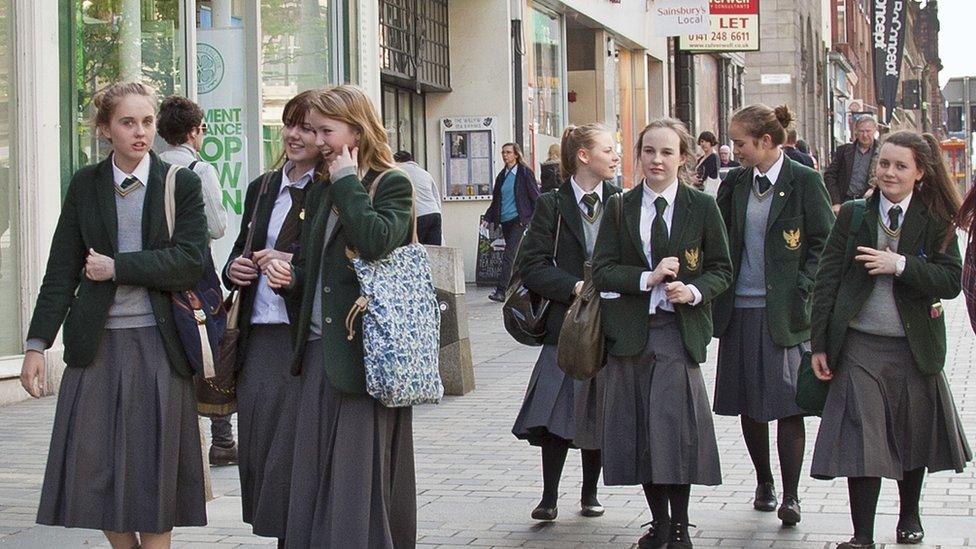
<point>210,68</point>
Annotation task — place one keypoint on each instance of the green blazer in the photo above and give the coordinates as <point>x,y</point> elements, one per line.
<point>374,229</point>
<point>796,232</point>
<point>557,281</point>
<point>931,274</point>
<point>89,220</point>
<point>698,241</point>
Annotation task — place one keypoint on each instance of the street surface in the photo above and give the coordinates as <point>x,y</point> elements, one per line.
<point>476,484</point>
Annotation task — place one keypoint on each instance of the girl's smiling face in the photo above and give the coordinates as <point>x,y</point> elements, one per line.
<point>897,172</point>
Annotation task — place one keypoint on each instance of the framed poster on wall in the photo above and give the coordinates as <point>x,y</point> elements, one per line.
<point>467,159</point>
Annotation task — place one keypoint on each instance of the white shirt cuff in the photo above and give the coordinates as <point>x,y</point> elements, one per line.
<point>698,296</point>
<point>900,265</point>
<point>643,281</point>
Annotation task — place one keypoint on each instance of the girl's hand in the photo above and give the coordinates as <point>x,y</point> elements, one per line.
<point>32,373</point>
<point>99,267</point>
<point>878,262</point>
<point>818,362</point>
<point>666,268</point>
<point>278,273</point>
<point>263,257</point>
<point>345,159</point>
<point>678,293</point>
<point>242,271</point>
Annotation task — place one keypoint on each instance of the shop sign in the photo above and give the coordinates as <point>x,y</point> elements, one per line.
<point>734,26</point>
<point>889,26</point>
<point>679,17</point>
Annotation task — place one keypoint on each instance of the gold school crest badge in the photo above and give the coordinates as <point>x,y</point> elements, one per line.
<point>792,238</point>
<point>691,259</point>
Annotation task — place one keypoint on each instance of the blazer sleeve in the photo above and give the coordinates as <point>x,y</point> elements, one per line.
<point>818,218</point>
<point>610,274</point>
<point>64,267</point>
<point>939,272</point>
<point>375,228</point>
<point>181,265</point>
<point>250,206</point>
<point>827,282</point>
<point>537,267</point>
<point>831,173</point>
<point>716,270</point>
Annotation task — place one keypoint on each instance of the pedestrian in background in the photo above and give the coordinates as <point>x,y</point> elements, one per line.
<point>777,216</point>
<point>549,170</point>
<point>791,150</point>
<point>658,270</point>
<point>512,205</point>
<point>706,168</point>
<point>353,482</point>
<point>879,337</point>
<point>559,412</point>
<point>267,393</point>
<point>852,172</point>
<point>725,157</point>
<point>125,449</point>
<point>180,124</point>
<point>427,196</point>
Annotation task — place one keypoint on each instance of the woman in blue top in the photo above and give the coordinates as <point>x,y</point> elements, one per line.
<point>512,206</point>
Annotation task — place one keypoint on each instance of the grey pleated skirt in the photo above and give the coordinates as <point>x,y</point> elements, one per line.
<point>353,482</point>
<point>557,405</point>
<point>125,451</point>
<point>657,423</point>
<point>755,377</point>
<point>267,403</point>
<point>883,417</point>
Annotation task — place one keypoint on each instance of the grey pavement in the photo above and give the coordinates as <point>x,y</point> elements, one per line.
<point>476,483</point>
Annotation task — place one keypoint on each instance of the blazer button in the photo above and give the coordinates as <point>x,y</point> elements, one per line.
<point>327,290</point>
<point>328,320</point>
<point>161,320</point>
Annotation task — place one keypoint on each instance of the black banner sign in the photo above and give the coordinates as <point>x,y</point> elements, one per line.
<point>889,22</point>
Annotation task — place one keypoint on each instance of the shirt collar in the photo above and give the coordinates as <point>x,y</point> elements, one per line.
<point>302,181</point>
<point>773,173</point>
<point>886,205</point>
<point>141,172</point>
<point>669,193</point>
<point>579,192</point>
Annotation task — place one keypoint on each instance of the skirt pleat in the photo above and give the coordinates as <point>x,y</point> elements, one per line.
<point>353,482</point>
<point>125,449</point>
<point>883,417</point>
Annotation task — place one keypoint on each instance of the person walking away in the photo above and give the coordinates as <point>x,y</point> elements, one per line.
<point>549,171</point>
<point>658,270</point>
<point>777,216</point>
<point>559,412</point>
<point>181,125</point>
<point>512,205</point>
<point>791,150</point>
<point>125,448</point>
<point>428,198</point>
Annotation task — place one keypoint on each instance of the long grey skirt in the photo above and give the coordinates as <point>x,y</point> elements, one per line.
<point>755,377</point>
<point>125,450</point>
<point>883,417</point>
<point>657,423</point>
<point>267,403</point>
<point>353,482</point>
<point>557,405</point>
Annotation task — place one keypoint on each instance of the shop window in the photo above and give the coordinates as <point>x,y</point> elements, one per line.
<point>11,341</point>
<point>105,41</point>
<point>414,43</point>
<point>546,76</point>
<point>405,121</point>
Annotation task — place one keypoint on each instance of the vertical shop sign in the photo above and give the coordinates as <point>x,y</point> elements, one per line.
<point>889,26</point>
<point>220,90</point>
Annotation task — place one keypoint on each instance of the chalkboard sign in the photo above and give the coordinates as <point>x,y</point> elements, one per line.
<point>491,248</point>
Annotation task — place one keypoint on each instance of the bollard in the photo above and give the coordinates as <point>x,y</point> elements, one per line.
<point>456,368</point>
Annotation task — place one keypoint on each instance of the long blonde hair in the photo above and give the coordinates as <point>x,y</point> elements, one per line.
<point>348,103</point>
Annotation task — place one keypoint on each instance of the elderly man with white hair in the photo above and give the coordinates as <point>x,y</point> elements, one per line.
<point>851,173</point>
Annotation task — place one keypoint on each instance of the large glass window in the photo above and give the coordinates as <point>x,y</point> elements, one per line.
<point>546,61</point>
<point>105,41</point>
<point>10,329</point>
<point>405,121</point>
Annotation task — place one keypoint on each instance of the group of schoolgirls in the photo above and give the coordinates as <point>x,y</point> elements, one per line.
<point>767,269</point>
<point>322,463</point>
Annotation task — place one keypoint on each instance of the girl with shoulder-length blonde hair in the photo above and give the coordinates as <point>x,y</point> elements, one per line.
<point>352,482</point>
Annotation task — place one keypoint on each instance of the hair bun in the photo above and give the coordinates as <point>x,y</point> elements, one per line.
<point>784,116</point>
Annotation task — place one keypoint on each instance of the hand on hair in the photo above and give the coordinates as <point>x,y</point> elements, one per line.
<point>346,159</point>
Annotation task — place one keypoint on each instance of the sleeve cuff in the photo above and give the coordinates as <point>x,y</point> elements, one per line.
<point>645,276</point>
<point>344,172</point>
<point>697,294</point>
<point>35,344</point>
<point>900,265</point>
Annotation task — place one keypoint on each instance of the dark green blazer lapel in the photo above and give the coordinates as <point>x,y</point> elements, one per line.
<point>680,218</point>
<point>572,218</point>
<point>868,234</point>
<point>154,228</point>
<point>912,228</point>
<point>105,190</point>
<point>631,219</point>
<point>740,201</point>
<point>781,191</point>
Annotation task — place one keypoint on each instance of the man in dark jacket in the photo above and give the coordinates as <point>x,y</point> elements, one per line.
<point>851,173</point>
<point>794,153</point>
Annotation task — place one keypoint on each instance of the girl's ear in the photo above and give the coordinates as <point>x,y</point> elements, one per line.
<point>103,130</point>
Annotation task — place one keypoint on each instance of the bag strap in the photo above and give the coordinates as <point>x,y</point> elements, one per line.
<point>413,199</point>
<point>857,219</point>
<point>169,199</point>
<point>193,165</point>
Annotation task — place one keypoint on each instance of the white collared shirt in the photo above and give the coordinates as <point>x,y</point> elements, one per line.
<point>579,193</point>
<point>773,173</point>
<point>659,299</point>
<point>885,205</point>
<point>269,307</point>
<point>141,172</point>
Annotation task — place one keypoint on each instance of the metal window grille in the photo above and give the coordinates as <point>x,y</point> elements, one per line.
<point>414,47</point>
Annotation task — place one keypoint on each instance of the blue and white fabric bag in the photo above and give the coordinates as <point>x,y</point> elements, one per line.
<point>401,324</point>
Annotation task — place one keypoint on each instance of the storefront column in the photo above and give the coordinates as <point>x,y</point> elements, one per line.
<point>130,39</point>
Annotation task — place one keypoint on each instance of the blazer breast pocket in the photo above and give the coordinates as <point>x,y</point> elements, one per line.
<point>787,238</point>
<point>690,256</point>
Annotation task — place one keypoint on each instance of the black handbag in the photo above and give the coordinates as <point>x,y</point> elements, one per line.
<point>525,312</point>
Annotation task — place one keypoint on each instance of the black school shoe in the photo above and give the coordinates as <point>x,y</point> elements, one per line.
<point>679,536</point>
<point>545,513</point>
<point>590,507</point>
<point>765,498</point>
<point>657,535</point>
<point>220,456</point>
<point>854,543</point>
<point>909,530</point>
<point>789,511</point>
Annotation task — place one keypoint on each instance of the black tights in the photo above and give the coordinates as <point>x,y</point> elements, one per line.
<point>553,458</point>
<point>864,491</point>
<point>662,496</point>
<point>790,440</point>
